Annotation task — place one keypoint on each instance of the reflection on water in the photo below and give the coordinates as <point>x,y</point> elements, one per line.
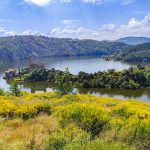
<point>140,94</point>
<point>76,64</point>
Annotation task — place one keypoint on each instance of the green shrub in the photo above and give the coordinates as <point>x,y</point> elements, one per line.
<point>68,136</point>
<point>90,118</point>
<point>136,131</point>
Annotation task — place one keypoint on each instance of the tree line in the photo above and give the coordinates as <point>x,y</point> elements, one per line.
<point>132,78</point>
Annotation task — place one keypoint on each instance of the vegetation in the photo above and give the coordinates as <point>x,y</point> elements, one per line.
<point>63,83</point>
<point>21,47</point>
<point>132,78</point>
<point>14,89</point>
<point>137,53</point>
<point>2,92</point>
<point>48,122</point>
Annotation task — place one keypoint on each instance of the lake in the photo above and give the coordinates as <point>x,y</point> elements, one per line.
<point>76,64</point>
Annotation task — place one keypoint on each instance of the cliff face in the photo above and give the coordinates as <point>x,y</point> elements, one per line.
<point>21,47</point>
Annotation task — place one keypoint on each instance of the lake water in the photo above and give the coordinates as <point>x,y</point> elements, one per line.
<point>76,64</point>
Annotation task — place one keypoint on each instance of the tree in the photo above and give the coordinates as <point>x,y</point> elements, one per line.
<point>14,89</point>
<point>63,83</point>
<point>2,92</point>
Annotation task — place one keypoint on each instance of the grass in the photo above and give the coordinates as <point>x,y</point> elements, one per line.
<point>84,122</point>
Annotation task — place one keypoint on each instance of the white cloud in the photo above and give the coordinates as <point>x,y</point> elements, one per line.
<point>133,27</point>
<point>111,31</point>
<point>69,21</point>
<point>127,2</point>
<point>99,2</point>
<point>45,2</point>
<point>109,27</point>
<point>4,32</point>
<point>134,23</point>
<point>30,32</point>
<point>39,2</point>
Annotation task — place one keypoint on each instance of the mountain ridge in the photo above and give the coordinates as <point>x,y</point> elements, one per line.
<point>21,47</point>
<point>134,40</point>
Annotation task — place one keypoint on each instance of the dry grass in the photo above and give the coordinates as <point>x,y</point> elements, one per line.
<point>29,134</point>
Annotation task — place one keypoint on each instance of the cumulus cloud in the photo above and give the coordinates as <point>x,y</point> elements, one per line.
<point>31,32</point>
<point>4,32</point>
<point>133,27</point>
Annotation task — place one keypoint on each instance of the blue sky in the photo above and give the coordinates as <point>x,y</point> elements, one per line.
<point>94,19</point>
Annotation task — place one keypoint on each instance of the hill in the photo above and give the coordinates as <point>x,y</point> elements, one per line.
<point>134,40</point>
<point>137,53</point>
<point>21,47</point>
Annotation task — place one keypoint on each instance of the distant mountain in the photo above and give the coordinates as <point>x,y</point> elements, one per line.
<point>21,47</point>
<point>135,53</point>
<point>134,40</point>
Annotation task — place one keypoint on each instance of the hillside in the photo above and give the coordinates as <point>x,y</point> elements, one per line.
<point>137,53</point>
<point>83,122</point>
<point>21,47</point>
<point>134,40</point>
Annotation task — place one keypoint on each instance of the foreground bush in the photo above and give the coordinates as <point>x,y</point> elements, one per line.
<point>65,137</point>
<point>73,138</point>
<point>22,109</point>
<point>89,117</point>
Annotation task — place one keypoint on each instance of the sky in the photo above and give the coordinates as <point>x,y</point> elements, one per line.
<point>82,19</point>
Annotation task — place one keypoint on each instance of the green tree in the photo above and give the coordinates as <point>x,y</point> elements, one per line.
<point>14,89</point>
<point>63,83</point>
<point>2,92</point>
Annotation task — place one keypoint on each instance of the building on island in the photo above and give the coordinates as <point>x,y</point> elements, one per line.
<point>33,66</point>
<point>10,73</point>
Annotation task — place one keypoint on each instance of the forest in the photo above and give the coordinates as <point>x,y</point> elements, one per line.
<point>21,47</point>
<point>137,53</point>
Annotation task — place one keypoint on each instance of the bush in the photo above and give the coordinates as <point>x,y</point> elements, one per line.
<point>7,108</point>
<point>136,131</point>
<point>63,138</point>
<point>90,118</point>
<point>26,110</point>
<point>73,138</point>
